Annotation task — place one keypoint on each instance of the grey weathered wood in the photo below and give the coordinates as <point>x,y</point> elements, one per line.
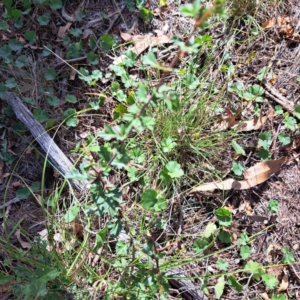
<point>185,286</point>
<point>56,156</point>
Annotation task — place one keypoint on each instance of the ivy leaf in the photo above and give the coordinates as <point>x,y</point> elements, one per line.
<point>146,15</point>
<point>288,256</point>
<point>224,216</point>
<point>245,252</point>
<point>224,237</point>
<point>210,229</point>
<point>284,138</point>
<point>10,83</point>
<point>93,58</point>
<point>30,36</point>
<point>168,145</point>
<point>151,201</point>
<point>71,98</point>
<point>264,154</point>
<point>273,206</point>
<point>265,140</point>
<point>290,123</point>
<point>121,248</point>
<point>190,9</point>
<point>170,171</point>
<point>238,168</point>
<point>254,269</point>
<point>55,4</point>
<point>53,100</point>
<point>70,117</point>
<point>50,74</point>
<point>222,264</point>
<point>23,193</point>
<point>76,32</point>
<point>21,61</point>
<point>297,111</point>
<point>244,239</point>
<point>40,115</point>
<point>44,19</point>
<point>200,245</point>
<point>15,45</point>
<point>3,25</point>
<point>270,281</point>
<point>219,287</point>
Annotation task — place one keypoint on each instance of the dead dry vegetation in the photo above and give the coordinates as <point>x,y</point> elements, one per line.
<point>149,149</point>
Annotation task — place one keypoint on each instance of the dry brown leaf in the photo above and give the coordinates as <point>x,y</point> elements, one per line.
<point>254,176</point>
<point>23,243</point>
<point>265,296</point>
<point>249,125</point>
<point>141,42</point>
<point>246,207</point>
<point>269,256</point>
<point>253,124</point>
<point>16,184</point>
<point>62,31</point>
<point>284,282</point>
<point>264,167</point>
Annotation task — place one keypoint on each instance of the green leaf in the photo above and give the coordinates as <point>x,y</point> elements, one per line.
<point>75,174</point>
<point>290,122</point>
<point>200,245</point>
<point>5,53</point>
<point>71,98</point>
<point>148,122</point>
<point>146,14</point>
<point>15,45</point>
<point>262,73</point>
<point>284,138</point>
<point>190,9</point>
<point>50,74</point>
<point>151,201</point>
<point>6,278</point>
<point>40,115</point>
<point>270,281</point>
<point>224,237</point>
<point>23,193</point>
<point>279,297</point>
<point>21,61</point>
<point>297,111</point>
<point>254,269</point>
<point>138,155</point>
<point>238,168</point>
<point>210,229</point>
<point>238,149</point>
<point>10,83</point>
<point>55,4</point>
<point>219,287</point>
<point>264,154</point>
<point>52,100</point>
<point>130,58</point>
<point>3,25</point>
<point>170,171</point>
<point>245,252</point>
<point>233,283</point>
<point>168,145</point>
<point>30,36</point>
<point>36,186</point>
<point>273,206</point>
<point>76,32</point>
<point>100,238</point>
<point>106,42</point>
<point>256,90</point>
<point>93,58</point>
<point>288,257</point>
<point>2,90</point>
<point>121,248</point>
<point>70,117</point>
<point>243,239</point>
<point>222,264</point>
<point>150,59</point>
<point>44,19</point>
<point>278,110</point>
<point>265,140</point>
<point>71,214</point>
<point>224,216</point>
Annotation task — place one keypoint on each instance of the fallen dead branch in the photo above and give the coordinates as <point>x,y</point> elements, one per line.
<point>56,156</point>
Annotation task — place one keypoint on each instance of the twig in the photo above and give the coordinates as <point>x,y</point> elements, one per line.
<point>278,98</point>
<point>8,203</point>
